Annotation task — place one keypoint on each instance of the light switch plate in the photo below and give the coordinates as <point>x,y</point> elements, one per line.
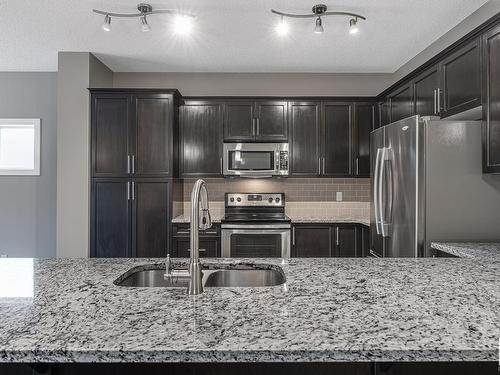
<point>339,196</point>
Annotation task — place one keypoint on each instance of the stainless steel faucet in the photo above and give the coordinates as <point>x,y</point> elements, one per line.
<point>200,219</point>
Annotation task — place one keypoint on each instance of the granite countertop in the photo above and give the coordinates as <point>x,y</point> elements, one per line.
<point>330,309</point>
<point>182,219</point>
<point>482,251</point>
<point>304,219</point>
<point>299,219</point>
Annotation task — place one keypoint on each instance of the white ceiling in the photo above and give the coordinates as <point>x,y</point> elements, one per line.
<point>229,35</point>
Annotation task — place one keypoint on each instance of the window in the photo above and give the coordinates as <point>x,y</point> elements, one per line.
<point>20,147</point>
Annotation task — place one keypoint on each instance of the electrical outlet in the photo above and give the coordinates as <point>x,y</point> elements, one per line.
<point>339,196</point>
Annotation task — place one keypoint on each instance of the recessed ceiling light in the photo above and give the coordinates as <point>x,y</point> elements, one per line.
<point>282,27</point>
<point>183,25</point>
<point>106,25</point>
<point>318,29</point>
<point>353,26</point>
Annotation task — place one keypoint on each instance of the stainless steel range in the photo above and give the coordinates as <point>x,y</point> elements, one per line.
<point>255,225</point>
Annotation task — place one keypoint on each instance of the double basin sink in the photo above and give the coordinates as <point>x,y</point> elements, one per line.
<point>154,277</point>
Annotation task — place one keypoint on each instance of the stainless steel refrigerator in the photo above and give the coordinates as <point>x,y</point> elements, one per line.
<point>427,185</point>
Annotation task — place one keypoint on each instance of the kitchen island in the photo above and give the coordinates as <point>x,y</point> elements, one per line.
<point>329,310</point>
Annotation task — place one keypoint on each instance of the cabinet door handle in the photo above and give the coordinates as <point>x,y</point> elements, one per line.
<point>128,164</point>
<point>324,169</point>
<point>319,165</point>
<point>257,126</point>
<point>357,165</point>
<point>293,236</point>
<point>221,171</point>
<point>133,190</point>
<point>337,241</point>
<point>438,100</point>
<point>133,164</point>
<point>253,127</point>
<point>128,190</point>
<point>435,102</point>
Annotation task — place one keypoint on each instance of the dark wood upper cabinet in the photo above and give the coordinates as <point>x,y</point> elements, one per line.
<point>336,139</point>
<point>491,101</point>
<point>256,120</point>
<point>151,217</point>
<point>384,112</point>
<point>425,91</point>
<point>304,118</point>
<point>271,120</point>
<point>311,241</point>
<point>401,102</point>
<point>201,138</point>
<point>239,120</point>
<point>153,135</point>
<point>461,80</point>
<point>110,135</point>
<point>364,124</point>
<point>134,133</point>
<point>110,218</point>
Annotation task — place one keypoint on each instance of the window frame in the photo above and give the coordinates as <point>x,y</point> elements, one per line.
<point>35,122</point>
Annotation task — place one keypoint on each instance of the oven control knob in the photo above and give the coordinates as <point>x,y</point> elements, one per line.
<point>270,200</point>
<point>238,199</point>
<point>277,200</point>
<point>232,199</point>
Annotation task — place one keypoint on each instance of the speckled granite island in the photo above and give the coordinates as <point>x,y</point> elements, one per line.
<point>329,310</point>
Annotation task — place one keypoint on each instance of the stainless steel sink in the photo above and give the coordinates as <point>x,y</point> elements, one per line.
<point>153,278</point>
<point>144,278</point>
<point>244,278</point>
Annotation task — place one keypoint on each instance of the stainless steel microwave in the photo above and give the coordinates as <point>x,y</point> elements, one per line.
<point>256,159</point>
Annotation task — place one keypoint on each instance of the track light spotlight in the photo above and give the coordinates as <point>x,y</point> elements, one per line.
<point>106,25</point>
<point>318,29</point>
<point>353,26</point>
<point>145,25</point>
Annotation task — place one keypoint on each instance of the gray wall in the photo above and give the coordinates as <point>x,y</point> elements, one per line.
<point>77,71</point>
<point>28,203</point>
<point>286,84</point>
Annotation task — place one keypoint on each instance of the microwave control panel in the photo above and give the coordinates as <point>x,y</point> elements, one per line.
<point>283,161</point>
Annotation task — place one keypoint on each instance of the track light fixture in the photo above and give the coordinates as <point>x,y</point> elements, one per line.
<point>318,29</point>
<point>145,25</point>
<point>145,10</point>
<point>319,11</point>
<point>353,26</point>
<point>106,25</point>
<point>282,27</point>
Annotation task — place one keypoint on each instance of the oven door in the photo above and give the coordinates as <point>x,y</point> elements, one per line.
<point>256,241</point>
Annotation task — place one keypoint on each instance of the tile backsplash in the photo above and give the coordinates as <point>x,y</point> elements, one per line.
<point>295,189</point>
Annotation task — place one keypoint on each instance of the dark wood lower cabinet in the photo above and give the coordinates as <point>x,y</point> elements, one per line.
<point>311,241</point>
<point>111,218</point>
<point>328,240</point>
<point>209,242</point>
<point>297,368</point>
<point>150,218</point>
<point>130,217</point>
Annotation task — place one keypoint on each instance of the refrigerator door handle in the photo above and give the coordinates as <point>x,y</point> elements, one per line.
<point>381,191</point>
<point>387,192</point>
<point>376,186</point>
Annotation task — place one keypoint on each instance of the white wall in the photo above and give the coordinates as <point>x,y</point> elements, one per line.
<point>28,203</point>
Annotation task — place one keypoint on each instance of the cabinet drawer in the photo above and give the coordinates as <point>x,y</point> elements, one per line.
<point>183,230</point>
<point>209,247</point>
